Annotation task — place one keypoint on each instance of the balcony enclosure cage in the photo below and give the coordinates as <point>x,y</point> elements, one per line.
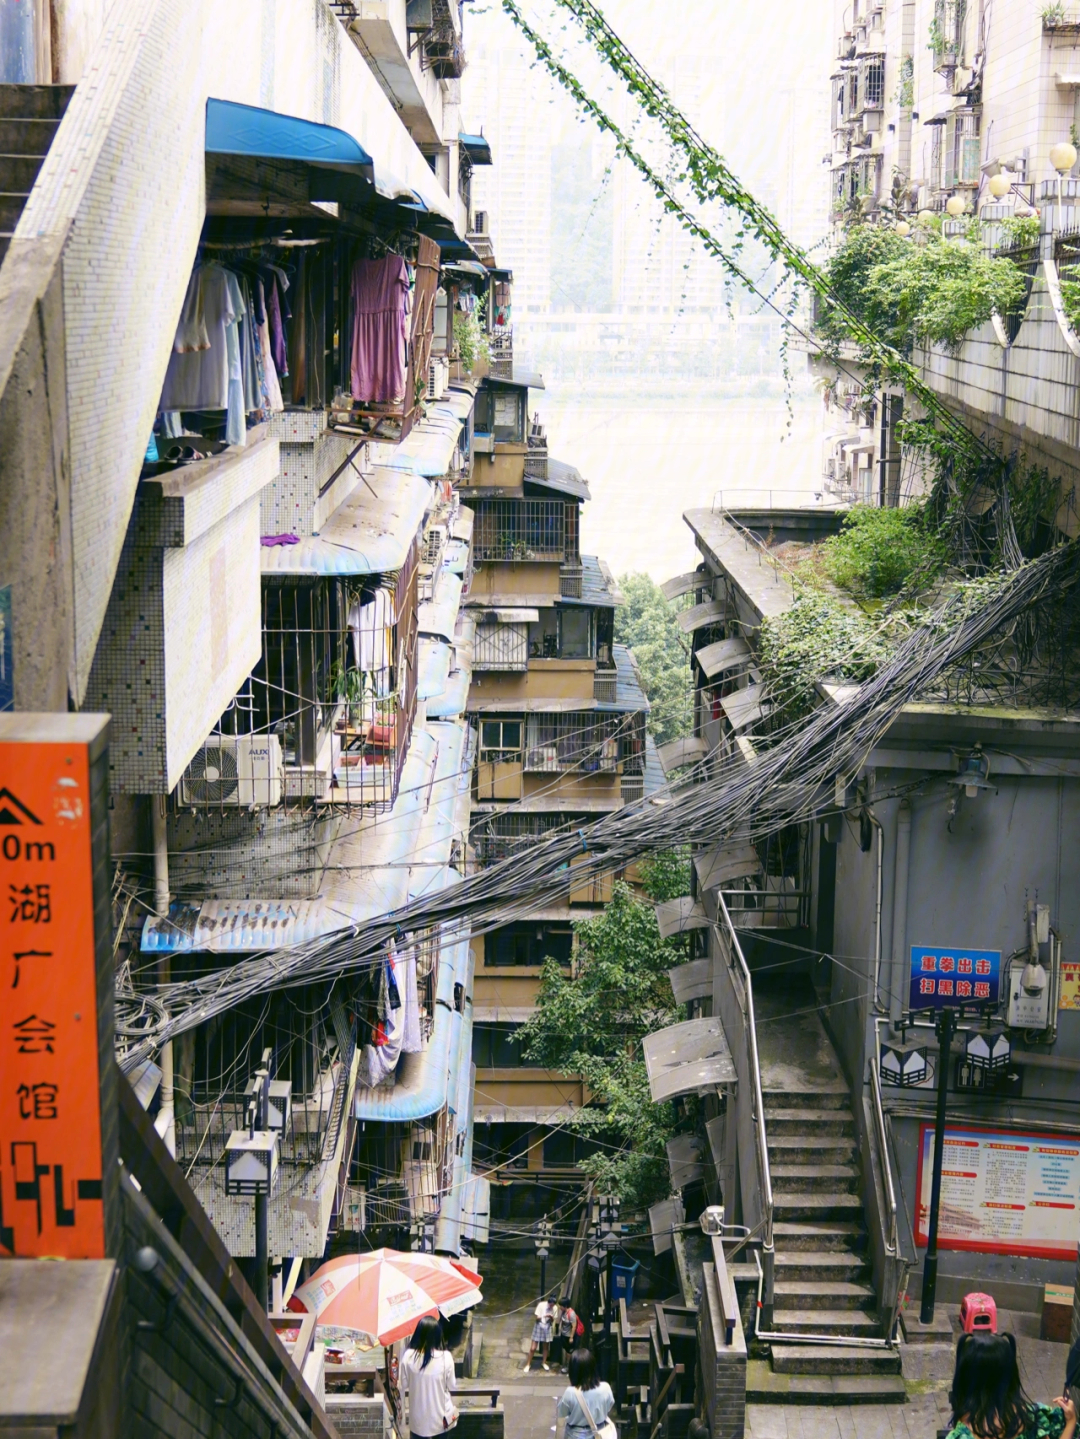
<point>313,1049</point>
<point>327,713</point>
<point>501,645</point>
<point>587,743</point>
<point>442,50</point>
<point>947,34</point>
<point>525,530</point>
<point>498,836</point>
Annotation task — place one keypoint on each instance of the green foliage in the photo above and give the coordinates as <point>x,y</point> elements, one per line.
<point>933,291</point>
<point>880,550</point>
<point>1070,297</point>
<point>593,1023</point>
<point>647,624</point>
<point>815,639</point>
<point>666,874</point>
<point>1053,14</point>
<point>470,341</point>
<point>1021,230</point>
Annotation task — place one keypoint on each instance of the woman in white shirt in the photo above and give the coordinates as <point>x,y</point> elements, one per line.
<point>588,1390</point>
<point>427,1377</point>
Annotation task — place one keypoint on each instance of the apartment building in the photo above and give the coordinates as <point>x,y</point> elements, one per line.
<point>560,717</point>
<point>231,523</point>
<point>939,101</point>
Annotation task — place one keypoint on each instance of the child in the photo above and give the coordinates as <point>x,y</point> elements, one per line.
<point>543,1324</point>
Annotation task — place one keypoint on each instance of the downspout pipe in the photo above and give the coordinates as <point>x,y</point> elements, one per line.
<point>901,868</point>
<point>879,1008</point>
<point>165,1124</point>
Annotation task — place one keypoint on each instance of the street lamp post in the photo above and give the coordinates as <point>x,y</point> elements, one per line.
<point>543,1249</point>
<point>945,1026</point>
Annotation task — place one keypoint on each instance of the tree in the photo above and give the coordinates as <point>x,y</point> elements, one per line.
<point>647,624</point>
<point>592,1024</point>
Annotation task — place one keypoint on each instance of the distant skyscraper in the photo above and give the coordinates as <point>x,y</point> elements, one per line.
<point>513,102</point>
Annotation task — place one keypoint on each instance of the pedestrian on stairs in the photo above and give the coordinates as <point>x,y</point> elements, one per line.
<point>542,1331</point>
<point>988,1401</point>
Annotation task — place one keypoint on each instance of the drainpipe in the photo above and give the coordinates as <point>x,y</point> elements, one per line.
<point>877,908</point>
<point>901,866</point>
<point>166,1120</point>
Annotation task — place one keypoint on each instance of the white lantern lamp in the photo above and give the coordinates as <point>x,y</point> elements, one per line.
<point>903,229</point>
<point>1063,157</point>
<point>955,206</point>
<point>999,185</point>
<point>251,1162</point>
<point>902,1063</point>
<point>990,1051</point>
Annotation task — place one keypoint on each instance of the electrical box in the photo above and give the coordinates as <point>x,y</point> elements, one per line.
<point>1027,1010</point>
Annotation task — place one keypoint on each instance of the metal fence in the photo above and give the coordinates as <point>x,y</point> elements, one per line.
<point>520,530</point>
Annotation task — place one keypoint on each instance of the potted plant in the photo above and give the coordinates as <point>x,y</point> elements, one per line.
<point>347,685</point>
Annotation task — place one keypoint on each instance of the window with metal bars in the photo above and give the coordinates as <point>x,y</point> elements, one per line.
<point>593,744</point>
<point>497,836</point>
<point>501,646</point>
<point>873,82</point>
<point>521,530</point>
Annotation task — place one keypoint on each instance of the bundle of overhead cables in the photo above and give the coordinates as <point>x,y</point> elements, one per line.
<point>725,801</point>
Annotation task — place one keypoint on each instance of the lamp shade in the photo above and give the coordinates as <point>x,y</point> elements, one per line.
<point>251,1162</point>
<point>999,186</point>
<point>902,1063</point>
<point>903,229</point>
<point>990,1051</point>
<point>955,205</point>
<point>1063,156</point>
<point>925,216</point>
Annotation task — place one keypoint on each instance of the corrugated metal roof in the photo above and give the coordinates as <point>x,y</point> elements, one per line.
<point>429,446</point>
<point>432,667</point>
<point>654,773</point>
<point>564,478</point>
<point>372,869</point>
<point>438,616</point>
<point>367,535</point>
<point>598,585</point>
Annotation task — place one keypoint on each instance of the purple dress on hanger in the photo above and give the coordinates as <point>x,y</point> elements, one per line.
<point>380,294</point>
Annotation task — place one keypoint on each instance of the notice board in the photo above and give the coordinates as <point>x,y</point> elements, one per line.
<point>57,1148</point>
<point>1003,1192</point>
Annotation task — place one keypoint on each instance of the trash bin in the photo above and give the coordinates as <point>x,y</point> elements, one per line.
<point>622,1279</point>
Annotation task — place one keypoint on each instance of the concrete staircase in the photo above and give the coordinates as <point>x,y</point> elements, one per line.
<point>29,118</point>
<point>823,1282</point>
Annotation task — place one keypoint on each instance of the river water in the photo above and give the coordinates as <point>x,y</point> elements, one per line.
<point>649,459</point>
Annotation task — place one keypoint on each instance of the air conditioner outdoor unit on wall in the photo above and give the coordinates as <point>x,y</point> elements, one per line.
<point>235,770</point>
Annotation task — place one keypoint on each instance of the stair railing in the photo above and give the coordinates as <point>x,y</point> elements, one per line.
<point>729,943</point>
<point>741,987</point>
<point>896,1264</point>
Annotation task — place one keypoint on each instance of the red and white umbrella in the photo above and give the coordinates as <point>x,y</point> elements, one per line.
<point>382,1296</point>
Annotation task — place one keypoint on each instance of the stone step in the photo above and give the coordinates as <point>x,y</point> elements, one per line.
<point>11,207</point>
<point>794,1237</point>
<point>763,1386</point>
<point>826,1321</point>
<point>790,1205</point>
<point>833,1359</point>
<point>18,172</point>
<point>833,1294</point>
<point>812,1266</point>
<point>808,1121</point>
<point>26,137</point>
<point>34,102</point>
<point>821,1148</point>
<point>830,1097</point>
<point>811,1178</point>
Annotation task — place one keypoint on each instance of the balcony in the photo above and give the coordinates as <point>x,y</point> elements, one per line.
<point>520,530</point>
<point>443,50</point>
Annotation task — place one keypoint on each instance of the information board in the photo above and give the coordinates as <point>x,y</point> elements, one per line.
<point>945,977</point>
<point>1070,984</point>
<point>1003,1192</point>
<point>50,1093</point>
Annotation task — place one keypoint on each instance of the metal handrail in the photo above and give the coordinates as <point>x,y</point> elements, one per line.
<point>892,1244</point>
<point>759,1101</point>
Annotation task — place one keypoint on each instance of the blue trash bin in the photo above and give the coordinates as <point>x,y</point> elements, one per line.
<point>623,1272</point>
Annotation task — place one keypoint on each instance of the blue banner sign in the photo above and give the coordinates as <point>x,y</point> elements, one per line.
<point>943,977</point>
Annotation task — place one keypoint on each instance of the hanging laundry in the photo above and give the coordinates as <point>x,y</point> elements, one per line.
<point>198,379</point>
<point>380,297</point>
<point>271,384</point>
<point>235,425</point>
<point>411,1042</point>
<point>371,626</point>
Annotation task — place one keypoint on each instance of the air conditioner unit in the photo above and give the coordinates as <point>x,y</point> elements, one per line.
<point>235,770</point>
<point>438,378</point>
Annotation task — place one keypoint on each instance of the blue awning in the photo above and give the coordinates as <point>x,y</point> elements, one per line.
<point>477,148</point>
<point>233,129</point>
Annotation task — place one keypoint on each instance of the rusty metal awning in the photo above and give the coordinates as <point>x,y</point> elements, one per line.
<point>677,916</point>
<point>688,1058</point>
<point>710,612</point>
<point>685,584</point>
<point>681,751</point>
<point>723,655</point>
<point>691,981</point>
<point>724,864</point>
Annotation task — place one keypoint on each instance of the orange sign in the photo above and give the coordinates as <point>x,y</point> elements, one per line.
<point>50,1085</point>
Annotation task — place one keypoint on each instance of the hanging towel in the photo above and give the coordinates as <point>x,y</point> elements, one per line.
<point>380,297</point>
<point>410,1040</point>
